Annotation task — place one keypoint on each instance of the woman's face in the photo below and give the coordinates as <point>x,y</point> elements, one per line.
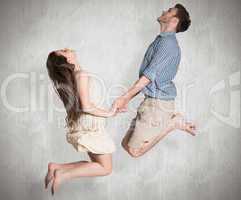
<point>69,54</point>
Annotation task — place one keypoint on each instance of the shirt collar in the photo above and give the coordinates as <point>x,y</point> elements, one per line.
<point>167,33</point>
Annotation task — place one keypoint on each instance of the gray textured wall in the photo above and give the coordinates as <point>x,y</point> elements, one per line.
<point>110,37</point>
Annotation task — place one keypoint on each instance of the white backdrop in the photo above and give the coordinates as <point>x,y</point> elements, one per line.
<point>110,38</point>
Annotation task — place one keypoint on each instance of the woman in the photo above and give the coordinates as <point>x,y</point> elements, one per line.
<point>85,121</point>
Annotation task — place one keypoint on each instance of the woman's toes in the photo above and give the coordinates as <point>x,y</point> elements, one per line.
<point>49,176</point>
<point>47,180</point>
<point>57,180</point>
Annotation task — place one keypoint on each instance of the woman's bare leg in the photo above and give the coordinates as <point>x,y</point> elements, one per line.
<point>100,165</point>
<point>54,166</point>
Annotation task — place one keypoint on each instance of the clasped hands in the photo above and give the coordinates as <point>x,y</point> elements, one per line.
<point>119,105</point>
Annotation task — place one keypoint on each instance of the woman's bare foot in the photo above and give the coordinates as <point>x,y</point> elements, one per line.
<point>50,174</point>
<point>178,122</point>
<point>57,180</point>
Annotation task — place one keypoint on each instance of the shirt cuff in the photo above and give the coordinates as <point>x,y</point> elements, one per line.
<point>149,73</point>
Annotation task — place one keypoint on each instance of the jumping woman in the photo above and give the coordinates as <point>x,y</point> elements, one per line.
<point>85,121</point>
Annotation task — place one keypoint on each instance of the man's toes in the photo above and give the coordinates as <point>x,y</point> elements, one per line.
<point>190,130</point>
<point>192,126</point>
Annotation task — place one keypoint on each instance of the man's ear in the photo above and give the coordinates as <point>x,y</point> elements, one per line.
<point>175,21</point>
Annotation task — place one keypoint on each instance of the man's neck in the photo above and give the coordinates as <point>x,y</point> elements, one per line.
<point>164,28</point>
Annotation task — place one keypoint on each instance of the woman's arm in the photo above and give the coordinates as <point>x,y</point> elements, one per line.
<point>121,102</point>
<point>82,80</point>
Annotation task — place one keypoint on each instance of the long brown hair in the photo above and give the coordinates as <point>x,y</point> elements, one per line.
<point>62,75</point>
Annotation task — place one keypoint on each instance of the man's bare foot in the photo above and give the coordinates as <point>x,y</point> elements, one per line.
<point>179,122</point>
<point>57,180</point>
<point>50,174</point>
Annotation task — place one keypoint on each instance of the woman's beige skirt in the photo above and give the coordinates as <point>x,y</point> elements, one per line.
<point>89,135</point>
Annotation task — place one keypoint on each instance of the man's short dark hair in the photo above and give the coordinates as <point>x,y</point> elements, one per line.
<point>184,18</point>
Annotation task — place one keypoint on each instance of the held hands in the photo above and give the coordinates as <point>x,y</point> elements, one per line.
<point>111,113</point>
<point>120,104</point>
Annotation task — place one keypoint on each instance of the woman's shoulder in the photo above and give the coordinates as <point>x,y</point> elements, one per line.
<point>90,77</point>
<point>82,74</point>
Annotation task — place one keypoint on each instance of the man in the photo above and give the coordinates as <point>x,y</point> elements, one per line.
<point>155,115</point>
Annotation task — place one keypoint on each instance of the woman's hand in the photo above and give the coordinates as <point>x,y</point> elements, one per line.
<point>92,109</point>
<point>120,104</point>
<point>111,112</point>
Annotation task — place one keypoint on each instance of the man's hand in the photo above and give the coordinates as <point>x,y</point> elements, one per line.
<point>120,104</point>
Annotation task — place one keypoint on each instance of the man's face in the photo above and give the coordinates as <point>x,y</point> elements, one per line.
<point>167,15</point>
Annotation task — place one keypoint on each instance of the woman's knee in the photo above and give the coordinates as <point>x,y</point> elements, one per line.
<point>104,161</point>
<point>106,170</point>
